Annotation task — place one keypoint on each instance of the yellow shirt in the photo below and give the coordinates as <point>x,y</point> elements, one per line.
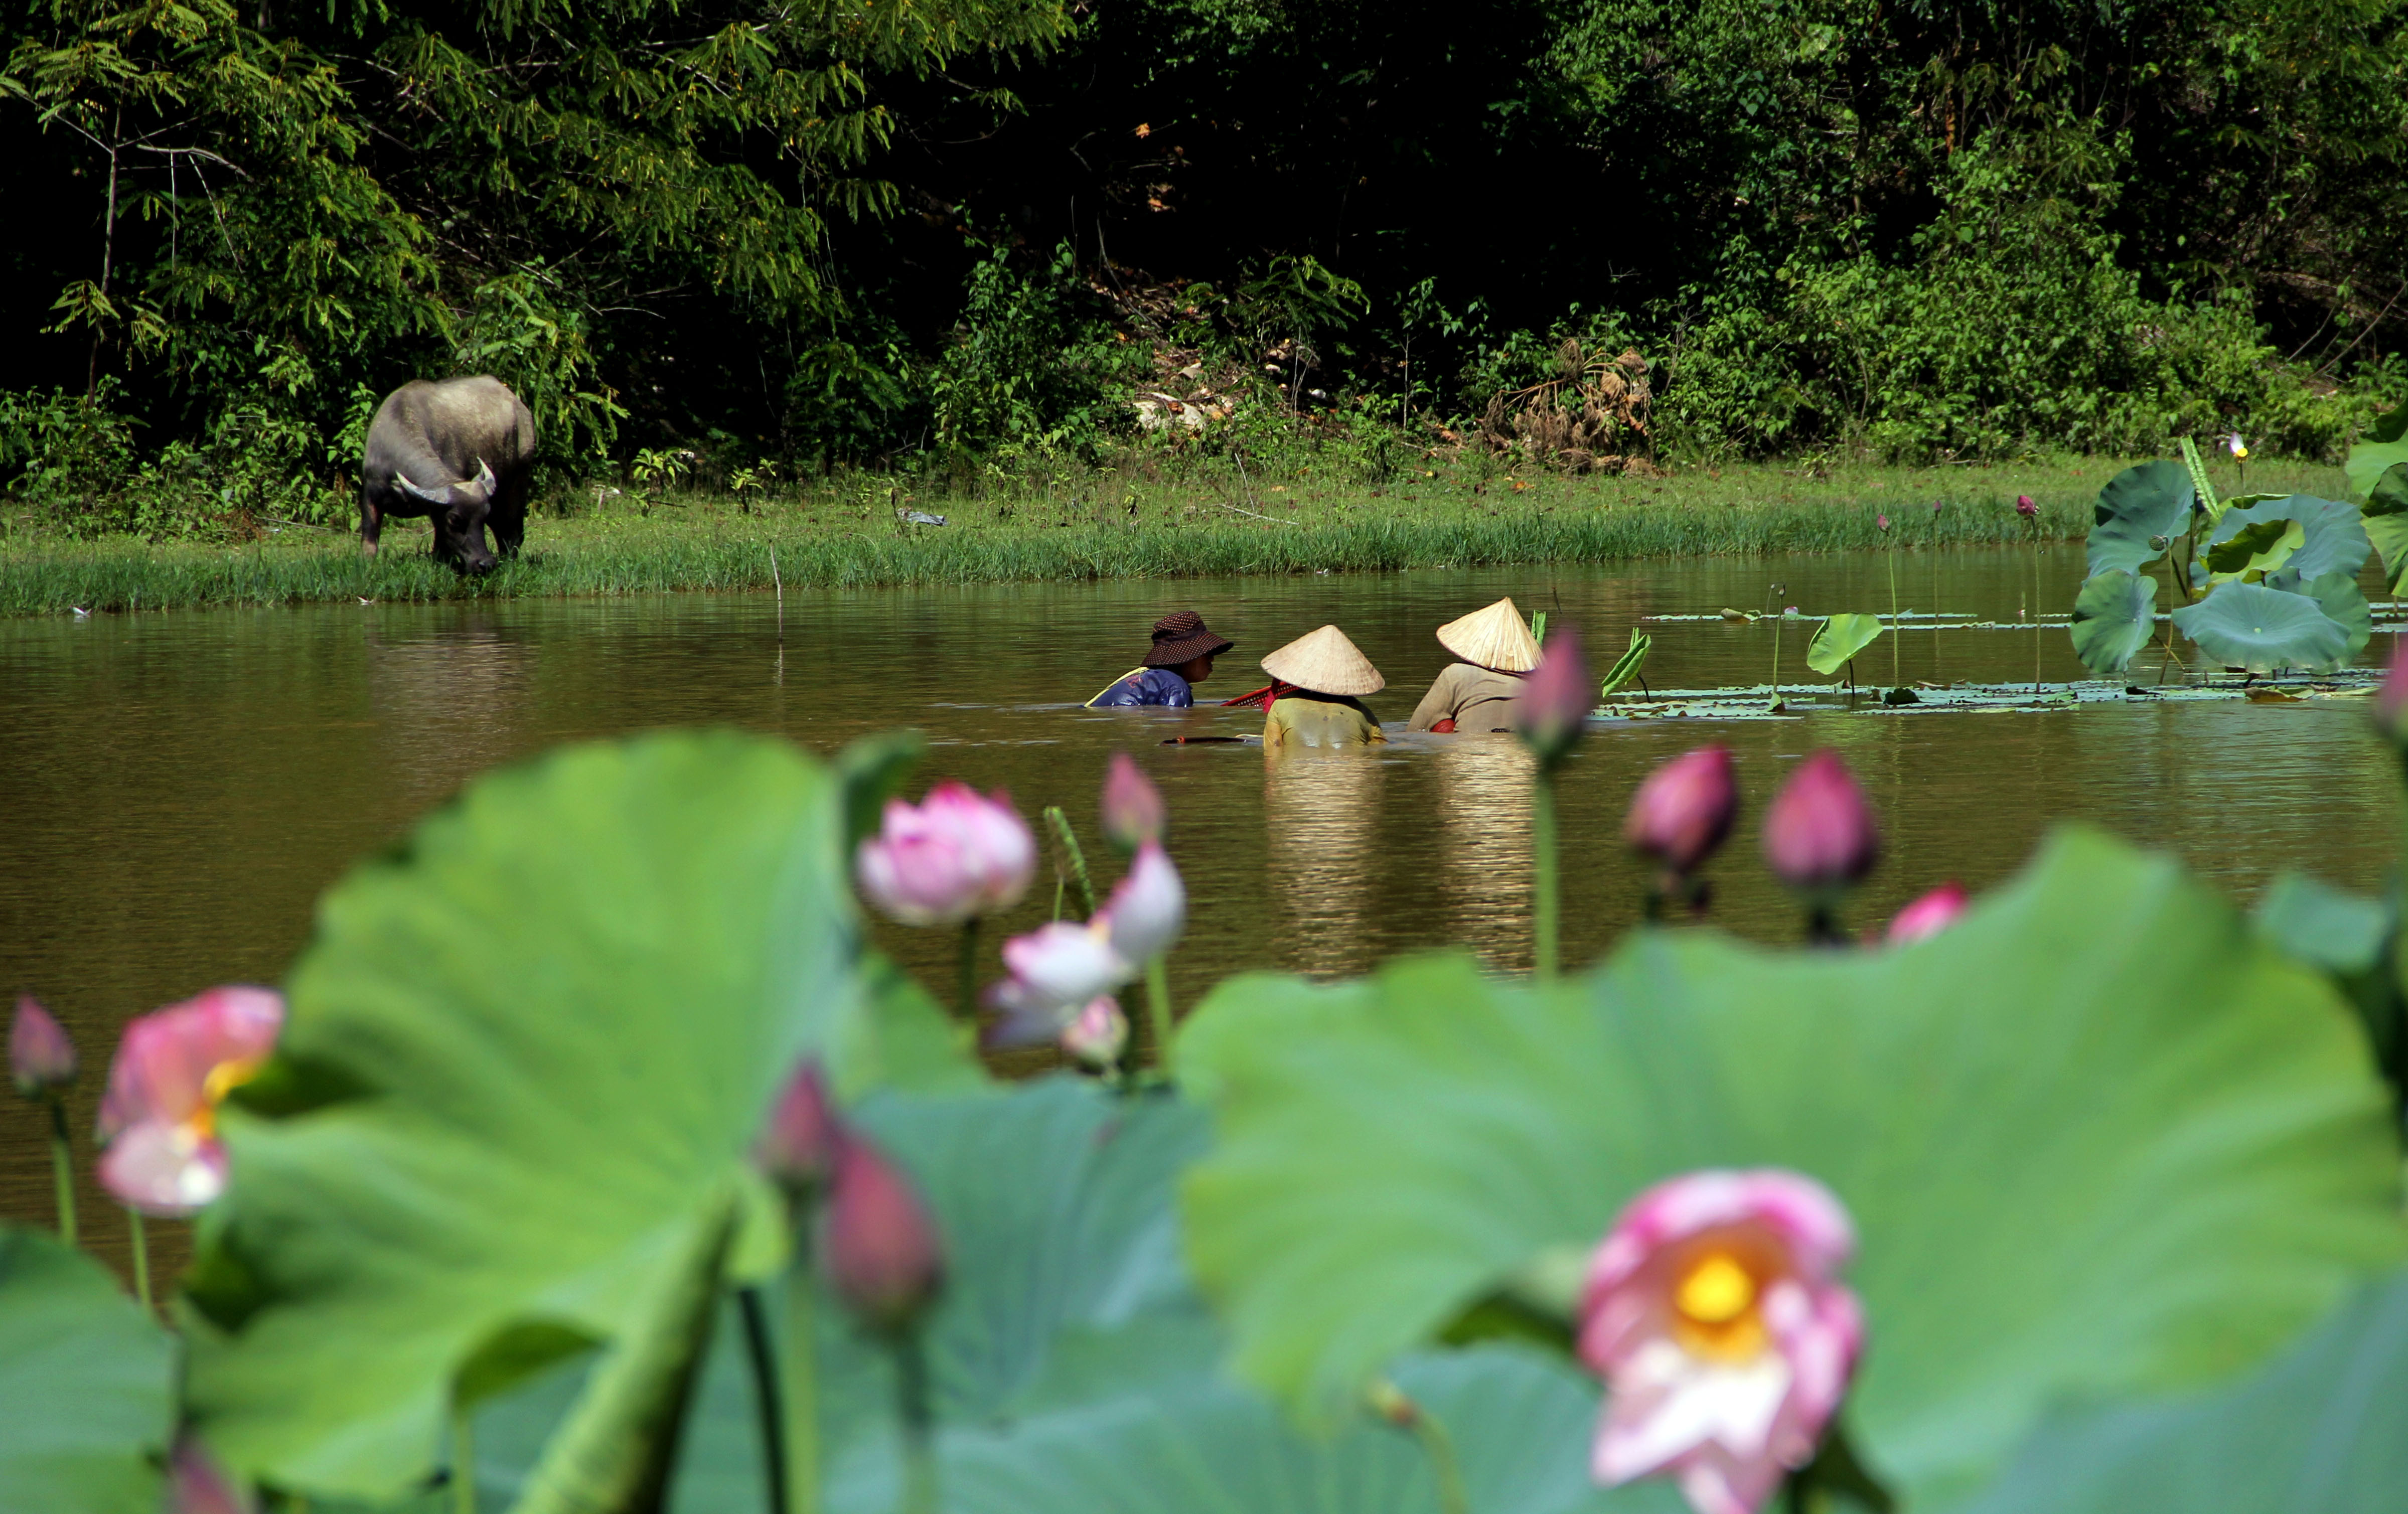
<point>1305,719</point>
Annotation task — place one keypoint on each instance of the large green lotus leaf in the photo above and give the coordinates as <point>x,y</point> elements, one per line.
<point>2388,533</point>
<point>2097,1138</point>
<point>1841,638</point>
<point>2384,448</point>
<point>2138,514</point>
<point>2322,1428</point>
<point>2331,538</point>
<point>2251,626</point>
<point>2113,616</point>
<point>2343,603</point>
<point>524,1060</point>
<point>87,1399</point>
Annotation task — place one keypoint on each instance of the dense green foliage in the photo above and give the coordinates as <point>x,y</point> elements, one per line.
<point>938,232</point>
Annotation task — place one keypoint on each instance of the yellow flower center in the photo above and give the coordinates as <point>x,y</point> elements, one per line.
<point>1715,1306</point>
<point>223,1079</point>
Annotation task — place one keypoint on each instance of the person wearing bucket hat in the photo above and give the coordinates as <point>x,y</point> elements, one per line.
<point>1477,694</point>
<point>1181,654</point>
<point>1324,673</point>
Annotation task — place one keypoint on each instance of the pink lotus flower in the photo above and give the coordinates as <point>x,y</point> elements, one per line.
<point>799,1146</point>
<point>41,1057</point>
<point>1133,813</point>
<point>881,1248</point>
<point>2025,507</point>
<point>1685,809</point>
<point>1555,697</point>
<point>1055,969</point>
<point>1820,834</point>
<point>198,1485</point>
<point>2391,700</point>
<point>1098,1036</point>
<point>1929,915</point>
<point>1712,1312</point>
<point>173,1069</point>
<point>1147,912</point>
<point>1882,520</point>
<point>953,857</point>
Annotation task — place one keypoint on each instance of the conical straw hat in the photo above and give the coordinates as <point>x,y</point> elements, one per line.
<point>1326,662</point>
<point>1496,637</point>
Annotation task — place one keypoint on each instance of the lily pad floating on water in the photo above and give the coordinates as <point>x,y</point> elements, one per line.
<point>2250,626</point>
<point>2113,616</point>
<point>2138,514</point>
<point>1840,639</point>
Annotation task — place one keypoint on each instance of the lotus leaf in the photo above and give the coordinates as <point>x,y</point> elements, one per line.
<point>86,1395</point>
<point>2113,618</point>
<point>2384,447</point>
<point>2251,626</point>
<point>2333,537</point>
<point>2344,603</point>
<point>1625,667</point>
<point>2319,1428</point>
<point>2256,549</point>
<point>2138,514</point>
<point>525,1059</point>
<point>2097,1138</point>
<point>1840,639</point>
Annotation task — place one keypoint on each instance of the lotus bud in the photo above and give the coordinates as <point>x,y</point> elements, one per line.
<point>1133,809</point>
<point>1882,520</point>
<point>1929,915</point>
<point>173,1069</point>
<point>1556,698</point>
<point>2025,507</point>
<point>1055,970</point>
<point>880,1249</point>
<point>799,1146</point>
<point>953,857</point>
<point>1147,912</point>
<point>1098,1036</point>
<point>1820,835</point>
<point>41,1058</point>
<point>1683,810</point>
<point>198,1485</point>
<point>1713,1312</point>
<point>2391,700</point>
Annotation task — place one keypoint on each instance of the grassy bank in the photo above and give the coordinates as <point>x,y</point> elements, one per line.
<point>1105,526</point>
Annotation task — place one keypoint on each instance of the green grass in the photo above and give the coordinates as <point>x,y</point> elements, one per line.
<point>1110,525</point>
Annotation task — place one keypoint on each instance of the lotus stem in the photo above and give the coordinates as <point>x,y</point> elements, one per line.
<point>760,1356</point>
<point>2036,635</point>
<point>463,1461</point>
<point>798,1390</point>
<point>141,1243</point>
<point>63,1169</point>
<point>965,986</point>
<point>1547,903</point>
<point>1894,679</point>
<point>1158,1011</point>
<point>919,1425</point>
<point>1776,661</point>
<point>1072,854</point>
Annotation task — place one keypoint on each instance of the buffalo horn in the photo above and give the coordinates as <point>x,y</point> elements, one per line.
<point>432,496</point>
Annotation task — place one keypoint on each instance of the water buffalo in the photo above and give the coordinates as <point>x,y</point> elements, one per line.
<point>459,453</point>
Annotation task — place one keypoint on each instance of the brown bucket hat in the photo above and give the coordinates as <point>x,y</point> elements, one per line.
<point>1182,636</point>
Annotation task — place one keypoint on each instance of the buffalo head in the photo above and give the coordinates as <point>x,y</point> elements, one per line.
<point>459,518</point>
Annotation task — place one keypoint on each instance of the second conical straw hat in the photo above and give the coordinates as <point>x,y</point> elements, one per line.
<point>1496,637</point>
<point>1326,662</point>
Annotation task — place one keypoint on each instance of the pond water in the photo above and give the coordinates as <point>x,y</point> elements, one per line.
<point>180,788</point>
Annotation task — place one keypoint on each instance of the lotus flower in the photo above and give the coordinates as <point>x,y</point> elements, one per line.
<point>1133,809</point>
<point>1929,915</point>
<point>2233,444</point>
<point>1055,969</point>
<point>2025,507</point>
<point>1096,1039</point>
<point>1882,520</point>
<point>1554,697</point>
<point>173,1069</point>
<point>1712,1312</point>
<point>1819,833</point>
<point>41,1057</point>
<point>880,1249</point>
<point>1146,913</point>
<point>198,1485</point>
<point>1685,809</point>
<point>799,1146</point>
<point>2391,700</point>
<point>953,857</point>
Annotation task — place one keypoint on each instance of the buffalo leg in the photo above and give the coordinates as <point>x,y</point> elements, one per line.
<point>508,519</point>
<point>371,519</point>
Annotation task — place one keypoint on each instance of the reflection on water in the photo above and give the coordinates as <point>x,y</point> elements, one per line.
<point>181,787</point>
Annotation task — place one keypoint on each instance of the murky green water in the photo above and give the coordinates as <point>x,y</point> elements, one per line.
<point>178,789</point>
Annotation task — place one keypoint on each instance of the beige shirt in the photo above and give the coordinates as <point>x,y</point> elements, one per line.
<point>1474,698</point>
<point>1305,719</point>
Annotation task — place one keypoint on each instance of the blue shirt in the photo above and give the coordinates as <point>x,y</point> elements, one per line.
<point>1146,686</point>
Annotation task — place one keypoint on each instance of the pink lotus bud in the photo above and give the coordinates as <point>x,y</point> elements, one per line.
<point>1882,520</point>
<point>1055,969</point>
<point>1713,1313</point>
<point>173,1068</point>
<point>880,1249</point>
<point>41,1058</point>
<point>2391,700</point>
<point>1096,1040</point>
<point>1819,833</point>
<point>1685,809</point>
<point>1555,697</point>
<point>953,857</point>
<point>2024,508</point>
<point>198,1485</point>
<point>799,1146</point>
<point>1146,913</point>
<point>1132,810</point>
<point>1929,915</point>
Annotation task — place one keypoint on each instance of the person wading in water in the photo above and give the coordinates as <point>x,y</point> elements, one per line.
<point>1183,652</point>
<point>1320,677</point>
<point>1477,694</point>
